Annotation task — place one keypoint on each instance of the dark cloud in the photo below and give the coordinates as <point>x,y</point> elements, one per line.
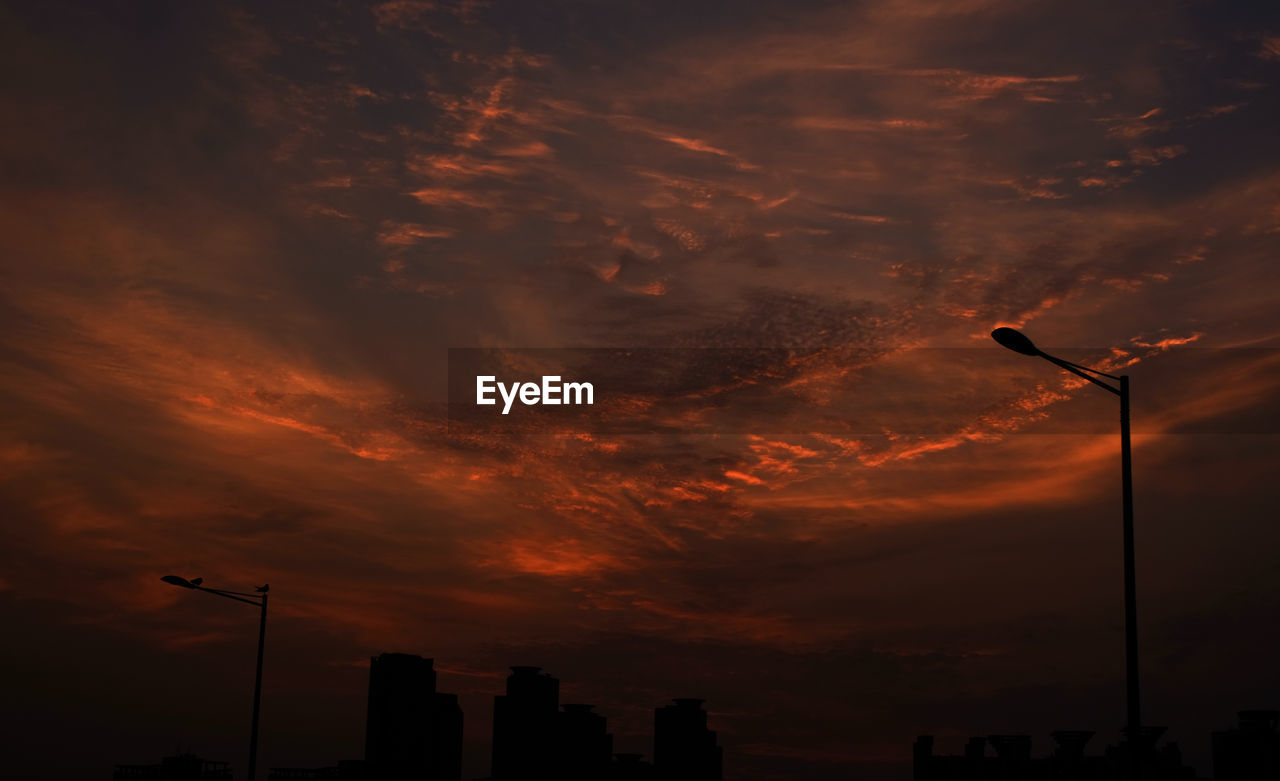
<point>240,240</point>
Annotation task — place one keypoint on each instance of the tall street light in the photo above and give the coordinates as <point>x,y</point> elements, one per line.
<point>1019,343</point>
<point>258,599</point>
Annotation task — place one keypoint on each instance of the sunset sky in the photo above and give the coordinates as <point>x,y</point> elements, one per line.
<point>240,240</point>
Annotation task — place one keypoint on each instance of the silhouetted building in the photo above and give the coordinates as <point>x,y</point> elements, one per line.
<point>1012,760</point>
<point>525,727</point>
<point>183,767</point>
<point>585,745</point>
<point>447,737</point>
<point>683,748</point>
<point>412,732</point>
<point>1249,752</point>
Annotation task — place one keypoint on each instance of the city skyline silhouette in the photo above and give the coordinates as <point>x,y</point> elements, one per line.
<point>414,732</point>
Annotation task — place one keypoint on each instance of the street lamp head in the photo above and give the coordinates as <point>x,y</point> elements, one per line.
<point>1014,340</point>
<point>174,580</point>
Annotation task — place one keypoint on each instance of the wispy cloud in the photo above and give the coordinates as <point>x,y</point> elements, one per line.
<point>230,284</point>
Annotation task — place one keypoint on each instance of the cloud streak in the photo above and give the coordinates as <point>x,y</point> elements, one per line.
<point>231,284</point>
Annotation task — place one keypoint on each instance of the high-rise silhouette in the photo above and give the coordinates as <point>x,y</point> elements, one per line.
<point>525,726</point>
<point>446,741</point>
<point>1249,752</point>
<point>585,746</point>
<point>412,732</point>
<point>683,748</point>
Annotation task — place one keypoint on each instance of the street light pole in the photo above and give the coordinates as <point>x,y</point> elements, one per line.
<point>1136,739</point>
<point>1016,341</point>
<point>258,599</point>
<point>257,689</point>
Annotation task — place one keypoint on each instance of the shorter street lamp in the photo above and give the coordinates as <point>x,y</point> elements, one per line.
<point>258,599</point>
<point>1016,341</point>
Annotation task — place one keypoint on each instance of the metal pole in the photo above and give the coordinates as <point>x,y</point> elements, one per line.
<point>1016,341</point>
<point>1137,746</point>
<point>257,693</point>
